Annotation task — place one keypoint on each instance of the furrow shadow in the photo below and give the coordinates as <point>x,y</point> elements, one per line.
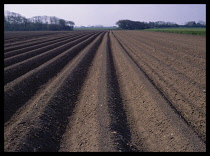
<point>119,124</point>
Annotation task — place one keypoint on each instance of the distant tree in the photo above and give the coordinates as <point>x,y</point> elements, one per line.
<point>191,24</point>
<point>13,21</point>
<point>131,25</point>
<point>202,23</point>
<point>151,25</point>
<point>25,24</point>
<point>70,23</point>
<point>62,24</point>
<point>53,27</point>
<point>123,24</point>
<point>16,22</point>
<point>160,24</point>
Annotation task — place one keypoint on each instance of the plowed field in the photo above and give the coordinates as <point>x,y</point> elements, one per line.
<point>98,91</point>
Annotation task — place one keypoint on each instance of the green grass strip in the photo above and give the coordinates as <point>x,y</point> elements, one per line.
<point>191,31</point>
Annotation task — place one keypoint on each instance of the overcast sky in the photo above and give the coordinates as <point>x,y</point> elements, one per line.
<point>109,14</point>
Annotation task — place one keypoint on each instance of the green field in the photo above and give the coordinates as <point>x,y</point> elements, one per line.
<point>191,31</point>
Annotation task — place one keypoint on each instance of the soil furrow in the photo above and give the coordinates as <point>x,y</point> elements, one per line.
<point>104,91</point>
<point>46,126</point>
<point>28,44</point>
<point>21,56</point>
<point>119,126</point>
<point>20,91</point>
<point>149,112</point>
<point>100,109</point>
<point>192,50</point>
<point>82,133</point>
<point>110,97</point>
<point>189,102</point>
<point>183,69</point>
<point>190,40</point>
<point>180,79</point>
<point>175,55</point>
<point>15,37</point>
<point>46,37</point>
<point>16,70</point>
<point>54,36</point>
<point>35,46</point>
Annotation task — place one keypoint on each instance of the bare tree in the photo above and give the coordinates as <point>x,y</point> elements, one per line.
<point>14,21</point>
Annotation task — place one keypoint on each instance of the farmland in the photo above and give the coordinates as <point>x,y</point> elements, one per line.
<point>101,90</point>
<point>190,31</point>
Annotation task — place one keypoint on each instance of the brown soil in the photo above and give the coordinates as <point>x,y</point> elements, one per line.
<point>99,91</point>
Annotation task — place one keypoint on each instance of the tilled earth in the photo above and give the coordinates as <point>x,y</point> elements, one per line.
<point>99,91</point>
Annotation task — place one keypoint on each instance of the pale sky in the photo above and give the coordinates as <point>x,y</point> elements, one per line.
<point>109,14</point>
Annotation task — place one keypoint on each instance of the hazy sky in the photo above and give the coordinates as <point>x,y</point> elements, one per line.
<point>109,14</point>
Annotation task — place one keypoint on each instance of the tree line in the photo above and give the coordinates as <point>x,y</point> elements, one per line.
<point>132,25</point>
<point>16,22</point>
